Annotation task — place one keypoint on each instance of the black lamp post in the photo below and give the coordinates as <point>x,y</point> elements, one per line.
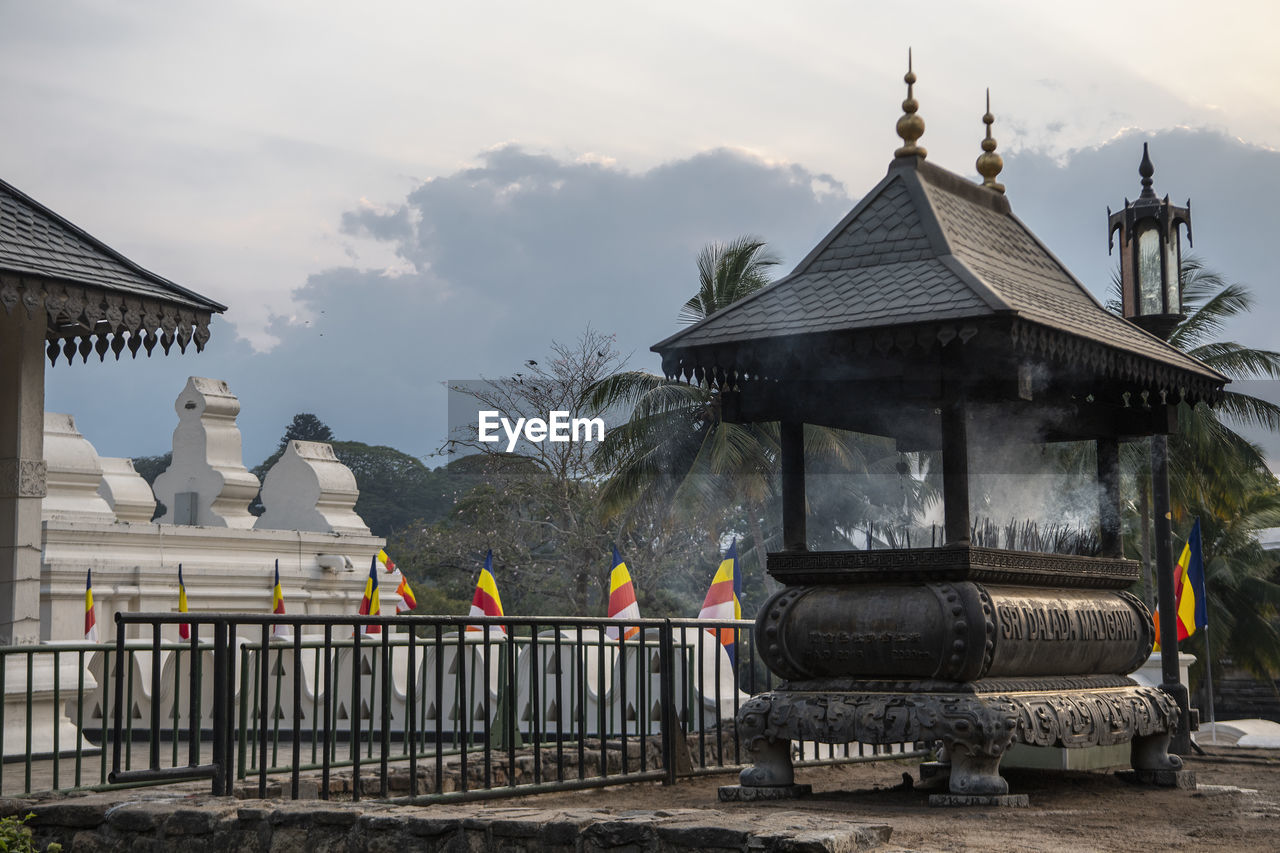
<point>1151,287</point>
<point>1150,256</point>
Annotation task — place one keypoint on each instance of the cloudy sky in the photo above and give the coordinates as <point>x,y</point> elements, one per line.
<point>389,195</point>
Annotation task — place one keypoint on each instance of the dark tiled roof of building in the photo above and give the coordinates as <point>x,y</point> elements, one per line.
<point>35,241</point>
<point>926,245</point>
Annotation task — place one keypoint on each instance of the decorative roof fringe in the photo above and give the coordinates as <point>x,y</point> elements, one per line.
<point>81,320</point>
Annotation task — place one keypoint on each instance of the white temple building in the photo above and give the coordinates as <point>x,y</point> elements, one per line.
<point>97,517</point>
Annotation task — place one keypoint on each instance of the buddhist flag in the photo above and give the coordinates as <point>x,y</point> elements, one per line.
<point>723,599</point>
<point>1188,589</point>
<point>369,604</point>
<point>90,621</point>
<point>385,561</point>
<point>486,601</point>
<point>407,601</point>
<point>184,629</point>
<point>622,599</point>
<point>277,607</point>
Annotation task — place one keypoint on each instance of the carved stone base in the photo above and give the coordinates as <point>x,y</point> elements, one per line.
<point>1014,800</point>
<point>975,729</point>
<point>750,793</point>
<point>1185,779</point>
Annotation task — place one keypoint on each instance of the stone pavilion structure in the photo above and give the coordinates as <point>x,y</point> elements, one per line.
<point>928,309</point>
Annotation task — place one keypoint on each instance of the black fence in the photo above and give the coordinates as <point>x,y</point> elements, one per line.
<point>423,708</point>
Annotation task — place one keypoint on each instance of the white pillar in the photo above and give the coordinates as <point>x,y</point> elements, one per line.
<point>22,471</point>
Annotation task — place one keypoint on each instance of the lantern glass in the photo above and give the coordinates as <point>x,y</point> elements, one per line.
<point>1173,275</point>
<point>1150,279</point>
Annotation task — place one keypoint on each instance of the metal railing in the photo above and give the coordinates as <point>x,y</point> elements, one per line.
<point>50,744</point>
<point>422,710</point>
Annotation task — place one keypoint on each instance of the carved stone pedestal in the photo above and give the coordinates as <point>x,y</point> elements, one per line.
<point>974,727</point>
<point>980,650</point>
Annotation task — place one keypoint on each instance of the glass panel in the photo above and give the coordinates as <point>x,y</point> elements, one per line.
<point>1149,278</point>
<point>1173,298</point>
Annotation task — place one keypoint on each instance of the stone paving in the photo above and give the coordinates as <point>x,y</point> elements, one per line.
<point>155,820</point>
<point>1235,807</point>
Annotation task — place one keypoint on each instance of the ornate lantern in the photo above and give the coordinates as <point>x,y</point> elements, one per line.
<point>1150,256</point>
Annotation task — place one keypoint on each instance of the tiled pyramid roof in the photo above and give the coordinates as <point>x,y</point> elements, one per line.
<point>926,245</point>
<point>36,241</point>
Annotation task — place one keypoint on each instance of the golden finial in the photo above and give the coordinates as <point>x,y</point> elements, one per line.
<point>910,126</point>
<point>989,162</point>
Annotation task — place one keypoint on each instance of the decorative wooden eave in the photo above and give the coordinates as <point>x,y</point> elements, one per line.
<point>94,298</point>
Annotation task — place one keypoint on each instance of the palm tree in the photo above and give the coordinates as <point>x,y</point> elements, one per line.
<point>1221,477</point>
<point>726,273</point>
<point>1244,599</point>
<point>674,451</point>
<point>675,446</point>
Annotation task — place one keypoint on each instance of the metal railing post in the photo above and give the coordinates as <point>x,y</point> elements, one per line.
<point>118,705</point>
<point>385,696</point>
<point>330,749</point>
<point>354,712</point>
<point>295,778</point>
<point>221,774</point>
<point>667,722</point>
<point>264,652</point>
<point>153,752</point>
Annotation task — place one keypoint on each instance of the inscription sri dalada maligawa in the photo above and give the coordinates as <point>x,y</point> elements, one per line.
<point>953,632</point>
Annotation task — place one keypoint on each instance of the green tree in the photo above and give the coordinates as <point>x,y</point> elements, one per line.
<point>304,427</point>
<point>536,504</point>
<point>1222,478</point>
<point>150,467</point>
<point>395,488</point>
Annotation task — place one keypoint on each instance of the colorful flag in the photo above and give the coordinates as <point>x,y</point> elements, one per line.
<point>184,629</point>
<point>407,601</point>
<point>277,606</point>
<point>90,621</point>
<point>1192,603</point>
<point>385,561</point>
<point>723,599</point>
<point>486,601</point>
<point>622,598</point>
<point>369,604</point>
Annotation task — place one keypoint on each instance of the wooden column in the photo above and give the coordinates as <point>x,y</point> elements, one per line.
<point>794,536</point>
<point>955,468</point>
<point>1110,540</point>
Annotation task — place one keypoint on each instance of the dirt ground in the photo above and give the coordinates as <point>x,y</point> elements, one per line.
<point>1237,807</point>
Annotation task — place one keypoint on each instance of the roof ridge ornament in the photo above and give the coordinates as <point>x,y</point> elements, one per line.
<point>910,125</point>
<point>1146,170</point>
<point>990,163</point>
